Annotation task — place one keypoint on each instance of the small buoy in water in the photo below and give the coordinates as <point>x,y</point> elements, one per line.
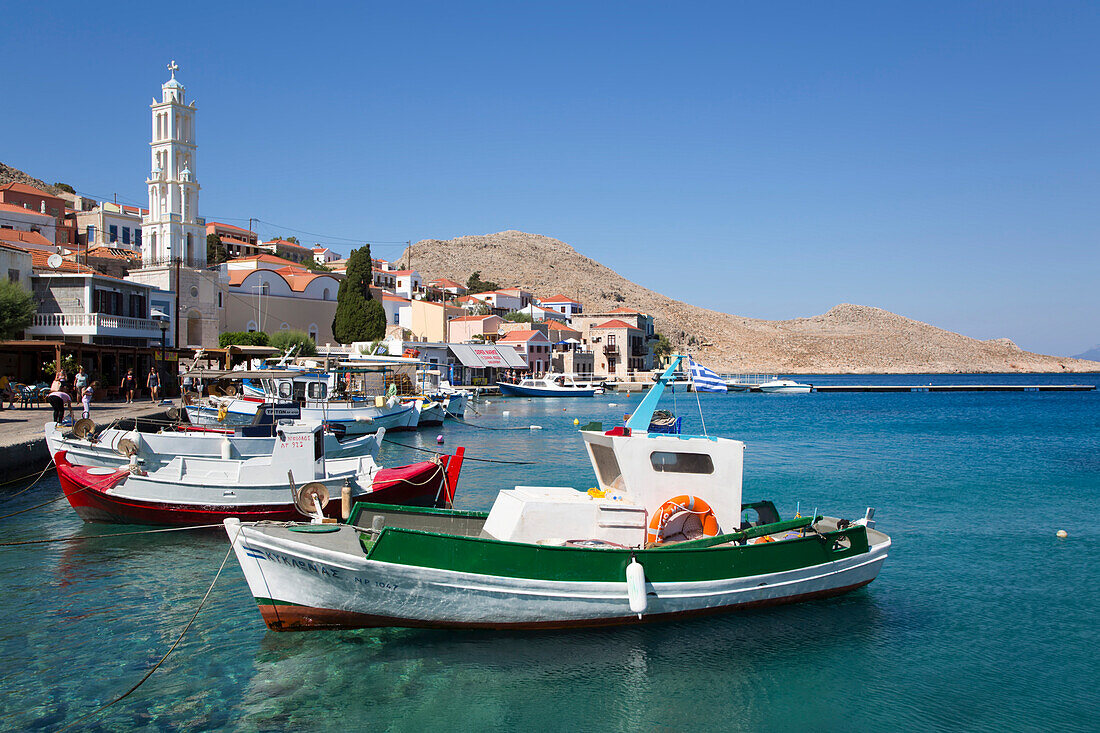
<point>576,421</point>
<point>612,404</point>
<point>439,439</point>
<point>488,402</point>
<point>506,413</point>
<point>536,427</point>
<point>1062,534</point>
<point>563,409</point>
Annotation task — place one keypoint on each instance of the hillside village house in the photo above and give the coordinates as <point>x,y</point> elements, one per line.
<point>19,219</point>
<point>113,261</point>
<point>448,286</point>
<point>110,225</point>
<point>28,240</point>
<point>267,293</point>
<point>398,311</point>
<point>539,313</point>
<point>475,328</point>
<point>620,349</point>
<point>15,264</point>
<point>35,199</point>
<point>562,304</point>
<point>238,242</point>
<point>532,346</point>
<point>500,300</point>
<point>288,250</point>
<point>431,321</point>
<point>324,255</point>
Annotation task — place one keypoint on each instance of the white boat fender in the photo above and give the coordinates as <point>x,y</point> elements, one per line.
<point>536,427</point>
<point>227,449</point>
<point>635,587</point>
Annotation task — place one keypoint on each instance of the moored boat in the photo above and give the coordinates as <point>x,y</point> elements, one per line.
<point>664,535</point>
<point>552,385</point>
<point>189,490</point>
<point>785,386</point>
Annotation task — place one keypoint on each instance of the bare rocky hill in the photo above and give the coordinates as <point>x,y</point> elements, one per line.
<point>847,339</point>
<point>14,175</point>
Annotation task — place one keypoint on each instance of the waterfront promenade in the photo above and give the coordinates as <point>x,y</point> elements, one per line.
<point>22,442</point>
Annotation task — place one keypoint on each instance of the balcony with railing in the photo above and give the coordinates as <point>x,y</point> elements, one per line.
<point>92,324</point>
<point>610,348</point>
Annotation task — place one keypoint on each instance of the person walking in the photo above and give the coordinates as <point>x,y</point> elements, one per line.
<point>86,394</point>
<point>129,384</point>
<point>59,399</point>
<point>80,381</point>
<point>153,383</point>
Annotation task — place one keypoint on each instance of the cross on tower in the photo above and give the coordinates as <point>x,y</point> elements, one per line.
<point>172,66</point>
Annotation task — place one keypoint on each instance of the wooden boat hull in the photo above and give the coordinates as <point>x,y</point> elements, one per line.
<point>300,584</point>
<point>101,497</point>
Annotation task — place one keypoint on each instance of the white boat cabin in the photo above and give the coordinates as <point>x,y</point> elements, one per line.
<point>640,476</point>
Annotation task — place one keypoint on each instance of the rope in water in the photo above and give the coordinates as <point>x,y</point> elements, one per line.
<point>466,458</point>
<point>77,538</point>
<point>24,478</point>
<point>482,427</point>
<point>98,485</point>
<point>171,649</point>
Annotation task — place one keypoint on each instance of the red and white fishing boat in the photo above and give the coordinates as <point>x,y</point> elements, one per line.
<point>190,490</point>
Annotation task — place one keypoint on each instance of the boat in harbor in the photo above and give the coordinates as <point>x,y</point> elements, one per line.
<point>552,385</point>
<point>664,535</point>
<point>87,445</point>
<point>785,386</point>
<point>190,490</point>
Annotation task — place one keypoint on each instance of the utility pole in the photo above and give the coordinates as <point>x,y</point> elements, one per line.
<point>176,322</point>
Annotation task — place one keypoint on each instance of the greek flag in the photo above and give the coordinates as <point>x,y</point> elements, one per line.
<point>704,379</point>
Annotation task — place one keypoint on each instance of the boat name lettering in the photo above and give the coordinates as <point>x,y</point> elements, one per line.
<point>300,564</point>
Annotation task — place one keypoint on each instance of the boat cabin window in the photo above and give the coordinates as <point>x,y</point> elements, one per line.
<point>607,465</point>
<point>665,462</point>
<point>284,390</point>
<point>317,390</point>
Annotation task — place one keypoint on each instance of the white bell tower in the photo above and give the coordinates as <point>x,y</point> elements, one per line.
<point>172,230</point>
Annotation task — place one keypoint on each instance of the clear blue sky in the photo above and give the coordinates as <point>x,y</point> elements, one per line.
<point>769,160</point>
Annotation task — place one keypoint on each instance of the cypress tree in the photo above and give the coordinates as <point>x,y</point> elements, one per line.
<point>359,317</point>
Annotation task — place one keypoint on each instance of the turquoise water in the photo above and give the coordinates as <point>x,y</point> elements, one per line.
<point>981,619</point>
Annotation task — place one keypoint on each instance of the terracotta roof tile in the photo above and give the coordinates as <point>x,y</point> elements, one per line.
<point>21,238</point>
<point>616,323</point>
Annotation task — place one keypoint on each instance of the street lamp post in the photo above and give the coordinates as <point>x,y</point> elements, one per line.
<point>163,323</point>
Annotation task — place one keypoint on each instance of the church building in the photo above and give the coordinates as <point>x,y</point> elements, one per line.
<point>173,234</point>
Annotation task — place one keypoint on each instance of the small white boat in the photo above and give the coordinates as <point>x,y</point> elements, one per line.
<point>552,385</point>
<point>785,386</point>
<point>112,446</point>
<point>192,490</point>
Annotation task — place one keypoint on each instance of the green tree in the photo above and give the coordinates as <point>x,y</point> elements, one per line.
<point>65,187</point>
<point>663,348</point>
<point>215,250</point>
<point>311,264</point>
<point>243,338</point>
<point>359,317</point>
<point>475,284</point>
<point>517,317</point>
<point>285,340</point>
<point>17,308</point>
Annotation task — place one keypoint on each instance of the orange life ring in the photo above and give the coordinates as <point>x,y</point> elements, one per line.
<point>682,503</point>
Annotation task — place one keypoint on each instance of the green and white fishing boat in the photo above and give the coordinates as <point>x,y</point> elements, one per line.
<point>665,535</point>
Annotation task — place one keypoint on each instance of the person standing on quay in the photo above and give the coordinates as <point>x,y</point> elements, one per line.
<point>153,383</point>
<point>86,394</point>
<point>129,384</point>
<point>59,399</point>
<point>80,381</point>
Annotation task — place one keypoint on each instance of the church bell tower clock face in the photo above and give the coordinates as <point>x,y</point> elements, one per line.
<point>172,232</point>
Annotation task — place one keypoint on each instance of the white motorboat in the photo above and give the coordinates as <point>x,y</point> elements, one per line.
<point>112,446</point>
<point>785,386</point>
<point>190,490</point>
<point>552,385</point>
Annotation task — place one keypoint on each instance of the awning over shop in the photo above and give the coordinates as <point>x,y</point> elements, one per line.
<point>483,356</point>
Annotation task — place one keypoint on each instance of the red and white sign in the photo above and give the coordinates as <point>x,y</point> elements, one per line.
<point>490,356</point>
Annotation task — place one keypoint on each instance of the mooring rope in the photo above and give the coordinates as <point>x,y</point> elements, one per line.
<point>465,458</point>
<point>482,427</point>
<point>171,649</point>
<point>26,488</point>
<point>77,538</point>
<point>59,498</point>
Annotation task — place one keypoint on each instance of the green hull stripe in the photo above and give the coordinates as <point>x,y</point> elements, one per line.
<point>483,556</point>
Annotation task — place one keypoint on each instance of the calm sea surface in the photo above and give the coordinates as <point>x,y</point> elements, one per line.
<point>980,620</point>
